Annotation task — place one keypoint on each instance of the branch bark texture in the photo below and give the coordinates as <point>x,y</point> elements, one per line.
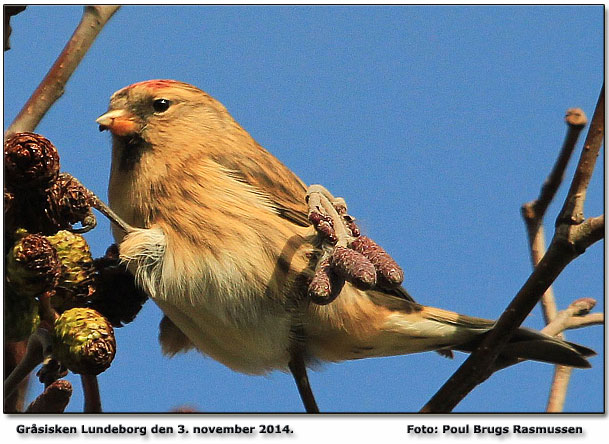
<point>53,85</point>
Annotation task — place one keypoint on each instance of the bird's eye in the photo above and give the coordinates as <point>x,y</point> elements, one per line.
<point>161,105</point>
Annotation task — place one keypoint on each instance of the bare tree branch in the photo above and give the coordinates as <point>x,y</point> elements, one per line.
<point>588,232</point>
<point>533,214</point>
<point>585,321</point>
<point>577,315</point>
<point>52,86</point>
<point>572,212</point>
<point>558,389</point>
<point>566,245</point>
<point>38,347</point>
<point>13,354</point>
<point>91,391</point>
<point>576,120</point>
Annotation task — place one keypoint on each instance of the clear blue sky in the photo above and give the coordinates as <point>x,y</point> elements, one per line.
<point>435,123</point>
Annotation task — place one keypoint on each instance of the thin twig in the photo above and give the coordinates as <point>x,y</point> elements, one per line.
<point>38,348</point>
<point>572,212</point>
<point>104,209</point>
<point>575,316</point>
<point>537,246</point>
<point>52,86</point>
<point>575,322</point>
<point>566,245</point>
<point>586,321</point>
<point>588,232</point>
<point>13,354</point>
<point>533,214</point>
<point>576,120</point>
<point>558,389</point>
<point>299,372</point>
<point>479,366</point>
<point>90,389</point>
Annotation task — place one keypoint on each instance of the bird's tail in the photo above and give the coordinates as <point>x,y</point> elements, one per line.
<point>524,343</point>
<point>536,346</point>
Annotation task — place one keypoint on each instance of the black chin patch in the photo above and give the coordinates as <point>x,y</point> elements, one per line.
<point>131,150</point>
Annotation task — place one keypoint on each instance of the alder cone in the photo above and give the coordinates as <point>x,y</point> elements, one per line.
<point>54,399</point>
<point>83,340</point>
<point>32,265</point>
<point>68,202</point>
<point>117,297</point>
<point>77,279</point>
<point>30,161</point>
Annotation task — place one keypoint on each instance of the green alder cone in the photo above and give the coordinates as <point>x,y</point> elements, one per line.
<point>83,340</point>
<point>76,281</point>
<point>21,316</point>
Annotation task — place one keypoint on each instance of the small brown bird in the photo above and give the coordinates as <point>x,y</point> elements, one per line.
<point>222,243</point>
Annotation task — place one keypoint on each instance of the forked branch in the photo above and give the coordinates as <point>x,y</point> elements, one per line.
<point>533,213</point>
<point>571,238</point>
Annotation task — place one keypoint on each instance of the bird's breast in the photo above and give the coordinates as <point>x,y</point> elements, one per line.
<point>231,307</point>
<point>230,263</point>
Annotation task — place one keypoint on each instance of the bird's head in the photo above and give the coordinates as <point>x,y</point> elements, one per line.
<point>162,113</point>
<point>137,108</point>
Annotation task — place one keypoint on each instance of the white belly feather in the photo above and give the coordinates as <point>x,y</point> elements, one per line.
<point>211,305</point>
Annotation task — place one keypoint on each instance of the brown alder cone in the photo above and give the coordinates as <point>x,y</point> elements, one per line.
<point>68,202</point>
<point>117,297</point>
<point>30,161</point>
<point>54,399</point>
<point>37,197</point>
<point>390,274</point>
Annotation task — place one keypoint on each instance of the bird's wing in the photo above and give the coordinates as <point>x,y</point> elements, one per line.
<point>285,191</point>
<point>401,292</point>
<point>273,180</point>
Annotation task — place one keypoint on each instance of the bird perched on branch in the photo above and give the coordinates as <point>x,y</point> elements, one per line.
<point>219,237</point>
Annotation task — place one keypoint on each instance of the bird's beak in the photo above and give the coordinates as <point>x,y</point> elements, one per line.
<point>119,122</point>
